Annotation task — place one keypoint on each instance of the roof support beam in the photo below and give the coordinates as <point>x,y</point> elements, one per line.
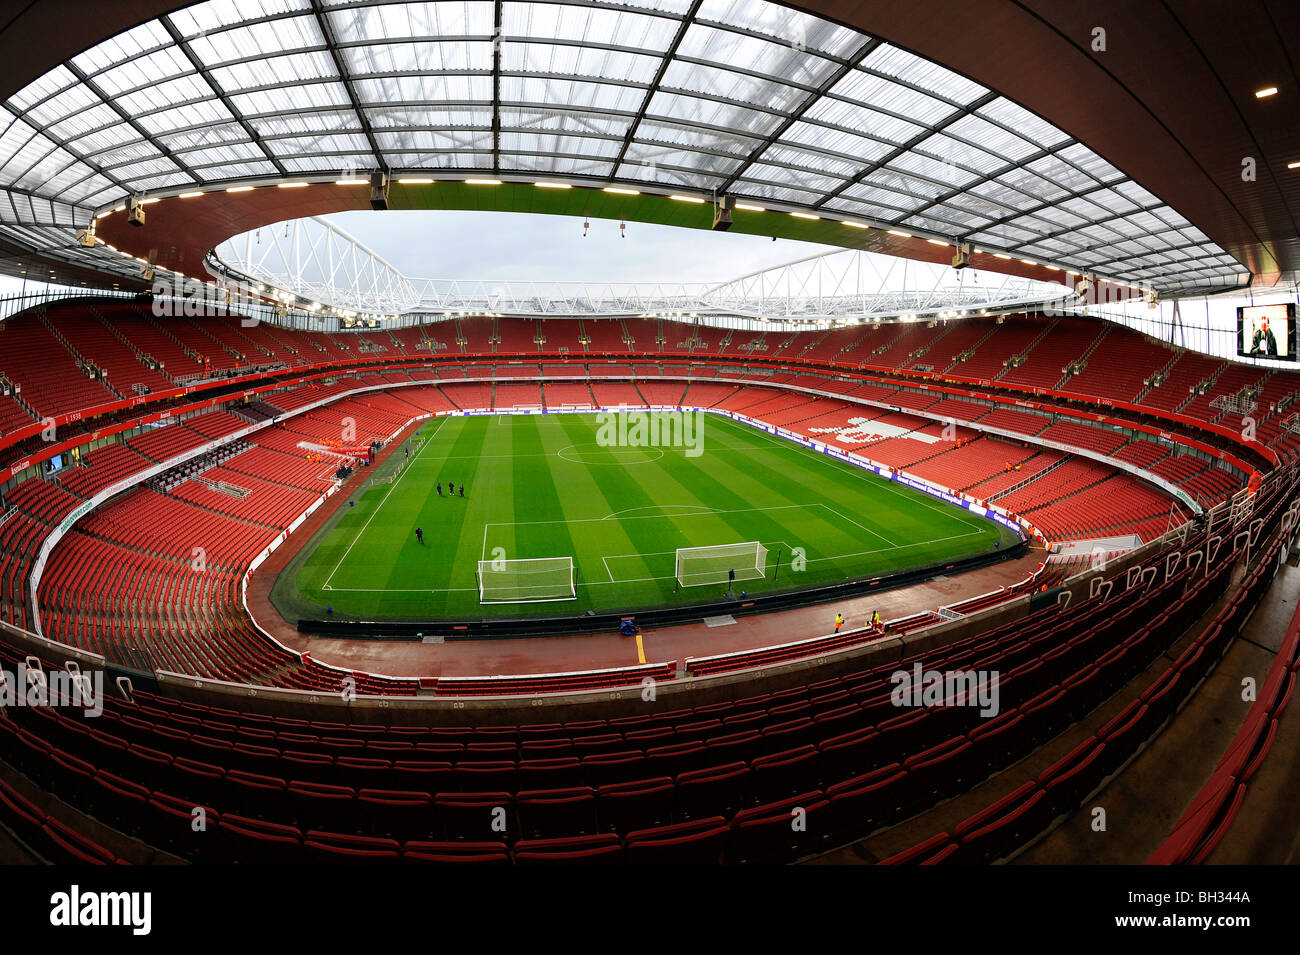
<point>496,86</point>
<point>53,145</point>
<point>183,45</point>
<point>687,19</point>
<point>331,41</point>
<point>797,113</point>
<point>111,103</point>
<point>995,174</point>
<point>906,147</point>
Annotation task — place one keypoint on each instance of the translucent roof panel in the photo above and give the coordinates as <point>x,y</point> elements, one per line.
<point>743,97</point>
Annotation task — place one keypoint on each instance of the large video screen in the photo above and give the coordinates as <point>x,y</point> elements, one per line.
<point>1266,331</point>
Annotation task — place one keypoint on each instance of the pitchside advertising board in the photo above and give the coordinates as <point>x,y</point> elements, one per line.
<point>1267,331</point>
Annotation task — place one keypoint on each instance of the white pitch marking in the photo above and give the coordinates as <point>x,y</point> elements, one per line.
<point>380,506</point>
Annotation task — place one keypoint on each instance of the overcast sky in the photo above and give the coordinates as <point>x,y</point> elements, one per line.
<point>506,245</point>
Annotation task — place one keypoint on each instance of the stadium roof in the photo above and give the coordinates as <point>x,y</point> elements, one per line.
<point>773,106</point>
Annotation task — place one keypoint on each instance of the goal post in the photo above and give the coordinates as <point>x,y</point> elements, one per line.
<point>697,566</point>
<point>532,580</point>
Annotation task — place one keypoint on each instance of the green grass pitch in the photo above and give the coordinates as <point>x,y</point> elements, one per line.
<point>542,486</point>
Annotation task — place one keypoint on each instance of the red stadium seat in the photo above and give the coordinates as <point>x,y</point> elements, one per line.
<point>596,849</point>
<point>715,791</point>
<point>699,842</point>
<point>780,832</point>
<point>552,813</point>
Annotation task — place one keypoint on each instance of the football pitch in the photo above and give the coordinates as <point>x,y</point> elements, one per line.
<point>545,486</point>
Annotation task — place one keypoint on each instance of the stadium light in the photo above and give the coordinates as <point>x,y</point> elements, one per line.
<point>805,215</point>
<point>291,185</point>
<point>240,189</point>
<point>417,181</point>
<point>552,185</point>
<point>901,235</point>
<point>620,191</point>
<point>184,195</point>
<point>695,199</point>
<point>482,182</point>
<point>1266,92</point>
<point>748,207</point>
<point>854,225</point>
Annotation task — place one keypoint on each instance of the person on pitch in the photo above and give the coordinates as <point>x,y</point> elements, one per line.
<point>440,489</point>
<point>419,535</point>
<point>462,489</point>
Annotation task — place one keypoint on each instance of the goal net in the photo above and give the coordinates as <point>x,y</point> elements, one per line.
<point>714,565</point>
<point>525,581</point>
